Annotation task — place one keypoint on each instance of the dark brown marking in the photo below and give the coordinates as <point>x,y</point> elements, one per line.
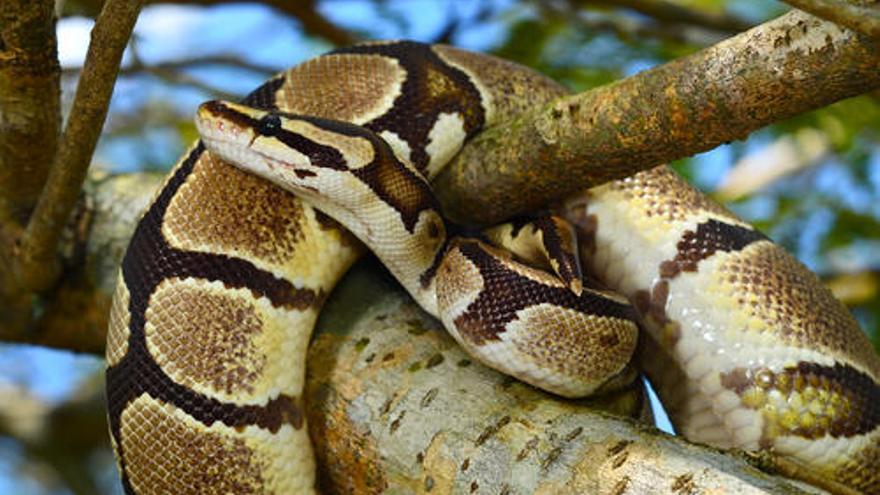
<point>557,241</point>
<point>222,111</point>
<point>574,433</point>
<point>710,237</point>
<point>429,397</point>
<point>586,226</point>
<point>856,389</point>
<point>396,423</point>
<point>405,191</point>
<point>428,275</point>
<point>620,487</point>
<point>618,447</point>
<point>684,483</point>
<point>150,260</point>
<point>738,380</point>
<point>552,456</point>
<point>302,173</point>
<point>434,360</point>
<point>506,292</point>
<point>432,87</point>
<point>527,449</point>
<point>264,96</point>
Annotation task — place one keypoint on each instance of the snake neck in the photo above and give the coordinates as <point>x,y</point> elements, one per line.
<point>411,250</point>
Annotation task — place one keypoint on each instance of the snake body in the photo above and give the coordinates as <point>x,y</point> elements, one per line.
<point>225,273</point>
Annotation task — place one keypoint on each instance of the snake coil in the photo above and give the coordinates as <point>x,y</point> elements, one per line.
<point>225,274</point>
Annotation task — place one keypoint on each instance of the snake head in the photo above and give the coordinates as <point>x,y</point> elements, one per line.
<point>295,152</point>
<point>343,169</point>
<point>324,161</point>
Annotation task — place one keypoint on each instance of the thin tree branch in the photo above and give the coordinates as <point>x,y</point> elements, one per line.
<point>37,267</point>
<point>313,22</point>
<point>139,66</point>
<point>862,18</point>
<point>666,11</point>
<point>628,29</point>
<point>779,69</point>
<point>175,77</point>
<point>170,72</point>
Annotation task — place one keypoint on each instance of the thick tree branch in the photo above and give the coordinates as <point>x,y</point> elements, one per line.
<point>394,403</point>
<point>779,69</point>
<point>29,98</point>
<point>862,18</point>
<point>73,315</point>
<point>37,267</point>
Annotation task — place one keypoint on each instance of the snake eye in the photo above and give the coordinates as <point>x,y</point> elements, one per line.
<point>269,125</point>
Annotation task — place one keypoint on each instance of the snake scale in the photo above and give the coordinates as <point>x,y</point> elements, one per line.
<point>225,274</point>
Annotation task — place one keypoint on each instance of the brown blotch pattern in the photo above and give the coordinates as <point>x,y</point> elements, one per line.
<point>223,209</point>
<point>369,79</point>
<point>166,455</point>
<point>514,88</point>
<point>815,400</point>
<point>771,286</point>
<point>710,237</point>
<point>202,336</point>
<point>506,292</point>
<point>431,88</point>
<point>662,193</point>
<point>148,261</point>
<point>578,344</point>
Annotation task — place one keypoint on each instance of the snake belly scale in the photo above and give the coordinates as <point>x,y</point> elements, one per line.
<point>225,274</point>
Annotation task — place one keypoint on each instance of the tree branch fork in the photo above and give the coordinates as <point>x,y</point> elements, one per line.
<point>787,66</point>
<point>783,67</point>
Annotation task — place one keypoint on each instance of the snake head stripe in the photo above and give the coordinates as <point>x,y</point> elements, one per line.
<point>346,171</point>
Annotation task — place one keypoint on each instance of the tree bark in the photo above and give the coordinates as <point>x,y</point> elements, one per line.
<point>73,315</point>
<point>395,406</point>
<point>779,69</point>
<point>30,115</point>
<point>36,268</point>
<point>863,17</point>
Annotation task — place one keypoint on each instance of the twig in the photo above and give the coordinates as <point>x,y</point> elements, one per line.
<point>862,18</point>
<point>627,29</point>
<point>232,61</point>
<point>666,11</point>
<point>174,77</point>
<point>313,22</point>
<point>782,68</point>
<point>37,268</point>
